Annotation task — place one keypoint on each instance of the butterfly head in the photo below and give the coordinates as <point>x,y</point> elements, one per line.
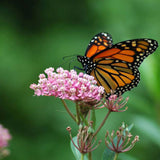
<point>87,63</point>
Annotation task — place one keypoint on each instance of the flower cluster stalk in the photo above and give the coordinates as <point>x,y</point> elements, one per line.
<point>103,122</point>
<point>67,109</point>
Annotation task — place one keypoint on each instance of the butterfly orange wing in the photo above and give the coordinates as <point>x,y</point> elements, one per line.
<point>99,43</point>
<point>115,75</point>
<point>117,67</point>
<point>131,51</point>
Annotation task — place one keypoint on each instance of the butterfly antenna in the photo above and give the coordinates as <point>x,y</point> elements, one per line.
<point>72,60</point>
<point>65,57</point>
<point>81,69</point>
<point>66,61</point>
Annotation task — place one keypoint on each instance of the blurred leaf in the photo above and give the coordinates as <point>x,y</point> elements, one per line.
<point>125,156</point>
<point>150,73</point>
<point>75,151</point>
<point>108,154</point>
<point>149,128</point>
<point>130,127</point>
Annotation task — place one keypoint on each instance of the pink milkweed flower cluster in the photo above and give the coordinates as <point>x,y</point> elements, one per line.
<point>67,85</point>
<point>4,137</point>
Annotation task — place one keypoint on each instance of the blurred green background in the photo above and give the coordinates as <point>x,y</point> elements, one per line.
<point>37,34</point>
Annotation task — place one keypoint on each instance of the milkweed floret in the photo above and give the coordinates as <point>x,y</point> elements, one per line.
<point>115,103</point>
<point>67,85</point>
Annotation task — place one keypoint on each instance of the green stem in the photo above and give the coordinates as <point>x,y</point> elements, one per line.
<point>67,109</point>
<point>103,122</point>
<point>90,156</point>
<point>93,118</point>
<point>77,116</point>
<point>83,119</point>
<point>89,115</point>
<point>115,157</point>
<point>82,156</point>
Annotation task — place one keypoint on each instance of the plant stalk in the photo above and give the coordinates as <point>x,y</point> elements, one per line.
<point>103,122</point>
<point>90,156</point>
<point>82,156</point>
<point>77,112</point>
<point>67,109</point>
<point>115,157</point>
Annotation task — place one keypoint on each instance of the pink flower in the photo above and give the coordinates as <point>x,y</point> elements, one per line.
<point>68,85</point>
<point>115,103</point>
<point>4,137</point>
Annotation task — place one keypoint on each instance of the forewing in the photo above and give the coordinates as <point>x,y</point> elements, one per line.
<point>132,52</point>
<point>98,43</point>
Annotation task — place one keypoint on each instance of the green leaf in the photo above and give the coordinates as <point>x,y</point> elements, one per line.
<point>130,127</point>
<point>108,154</point>
<point>75,151</point>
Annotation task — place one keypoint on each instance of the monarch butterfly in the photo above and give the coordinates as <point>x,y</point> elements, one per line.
<point>115,67</point>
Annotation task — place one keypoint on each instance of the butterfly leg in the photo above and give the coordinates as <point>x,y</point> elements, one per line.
<point>75,67</point>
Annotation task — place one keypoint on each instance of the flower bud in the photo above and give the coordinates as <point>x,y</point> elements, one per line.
<point>68,129</point>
